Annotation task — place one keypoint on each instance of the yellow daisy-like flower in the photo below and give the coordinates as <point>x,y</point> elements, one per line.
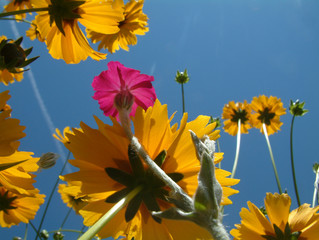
<point>19,177</point>
<point>101,152</point>
<point>16,208</point>
<point>63,36</point>
<point>232,112</point>
<point>16,5</point>
<point>10,129</point>
<point>303,222</point>
<point>135,23</point>
<point>7,77</point>
<point>33,32</point>
<point>70,196</point>
<point>63,138</point>
<point>268,112</point>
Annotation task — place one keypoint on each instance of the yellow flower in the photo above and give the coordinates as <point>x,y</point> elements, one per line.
<point>63,36</point>
<point>302,222</point>
<point>18,178</point>
<point>34,33</point>
<point>63,138</point>
<point>16,5</point>
<point>135,23</point>
<point>268,112</point>
<point>70,196</point>
<point>16,208</point>
<point>98,152</point>
<point>232,112</point>
<point>10,130</point>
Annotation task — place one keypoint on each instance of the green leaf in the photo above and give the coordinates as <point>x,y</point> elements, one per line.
<point>28,51</point>
<point>120,176</point>
<point>135,161</point>
<point>176,176</point>
<point>160,158</point>
<point>151,204</point>
<point>117,196</point>
<point>18,41</point>
<point>280,235</point>
<point>27,62</point>
<point>133,207</point>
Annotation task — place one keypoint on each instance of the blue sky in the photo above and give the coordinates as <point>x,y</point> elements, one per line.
<point>233,50</point>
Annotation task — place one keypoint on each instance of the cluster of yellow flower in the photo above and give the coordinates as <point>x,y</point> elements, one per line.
<point>110,168</point>
<point>19,200</point>
<point>112,23</point>
<point>261,111</point>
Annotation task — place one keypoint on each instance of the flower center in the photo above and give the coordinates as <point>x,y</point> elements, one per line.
<point>124,100</point>
<point>6,201</point>
<point>153,189</point>
<point>240,114</point>
<point>265,116</point>
<point>64,11</point>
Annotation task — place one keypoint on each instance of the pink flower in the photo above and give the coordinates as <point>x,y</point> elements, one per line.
<point>123,85</point>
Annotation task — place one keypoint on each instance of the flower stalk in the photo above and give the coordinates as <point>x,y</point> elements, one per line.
<point>237,149</point>
<point>89,234</point>
<point>182,78</point>
<point>13,13</point>
<point>51,195</point>
<point>272,158</point>
<point>177,191</point>
<point>292,161</point>
<point>316,184</point>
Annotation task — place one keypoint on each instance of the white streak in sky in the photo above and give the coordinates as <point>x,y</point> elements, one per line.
<point>153,67</point>
<point>43,108</point>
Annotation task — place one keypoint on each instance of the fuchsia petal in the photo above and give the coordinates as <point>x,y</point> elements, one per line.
<point>117,79</point>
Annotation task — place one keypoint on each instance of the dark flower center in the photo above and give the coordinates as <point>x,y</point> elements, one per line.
<point>62,11</point>
<point>240,114</point>
<point>153,189</point>
<point>265,116</point>
<point>6,202</point>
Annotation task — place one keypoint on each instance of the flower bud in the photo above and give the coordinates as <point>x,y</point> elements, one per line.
<point>48,160</point>
<point>13,54</point>
<point>297,108</point>
<point>17,238</point>
<point>215,120</point>
<point>44,234</point>
<point>315,167</point>
<point>182,77</point>
<point>58,236</point>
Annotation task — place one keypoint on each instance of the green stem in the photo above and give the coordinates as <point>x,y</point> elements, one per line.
<point>18,20</point>
<point>237,150</point>
<point>82,230</point>
<point>26,232</point>
<point>65,230</point>
<point>34,228</point>
<point>5,14</point>
<point>272,158</point>
<point>51,195</point>
<point>183,98</point>
<point>315,193</point>
<point>89,234</point>
<point>66,217</point>
<point>292,160</point>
